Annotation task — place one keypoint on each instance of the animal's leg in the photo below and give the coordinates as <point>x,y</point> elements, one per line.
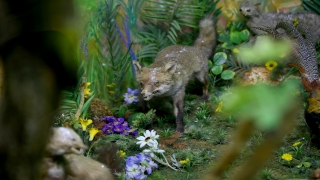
<point>204,79</point>
<point>178,110</point>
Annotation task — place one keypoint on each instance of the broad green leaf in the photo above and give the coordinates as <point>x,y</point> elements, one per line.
<point>210,64</point>
<point>228,45</point>
<point>306,164</point>
<point>244,35</point>
<point>227,74</point>
<point>216,70</point>
<point>219,58</point>
<point>223,38</point>
<point>235,37</point>
<point>263,104</point>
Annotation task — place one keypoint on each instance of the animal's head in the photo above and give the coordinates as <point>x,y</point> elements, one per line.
<point>155,81</point>
<point>249,9</point>
<point>63,141</point>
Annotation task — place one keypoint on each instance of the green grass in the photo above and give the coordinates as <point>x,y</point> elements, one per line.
<point>207,136</point>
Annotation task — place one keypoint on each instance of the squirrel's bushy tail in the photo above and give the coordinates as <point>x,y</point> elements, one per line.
<point>207,36</point>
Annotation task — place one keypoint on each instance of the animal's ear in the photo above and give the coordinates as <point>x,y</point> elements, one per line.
<point>257,5</point>
<point>137,66</point>
<point>171,67</point>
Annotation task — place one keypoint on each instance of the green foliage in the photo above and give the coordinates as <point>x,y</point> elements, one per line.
<point>233,36</point>
<point>238,66</point>
<point>176,14</point>
<point>267,174</point>
<point>185,12</point>
<point>313,6</point>
<point>154,39</point>
<point>216,68</point>
<point>219,136</point>
<point>257,102</point>
<point>133,9</point>
<point>141,120</point>
<point>106,55</point>
<point>264,49</point>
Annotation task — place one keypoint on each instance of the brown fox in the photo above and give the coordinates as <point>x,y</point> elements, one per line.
<point>174,66</point>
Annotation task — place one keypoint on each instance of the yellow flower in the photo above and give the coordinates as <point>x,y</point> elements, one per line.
<point>121,153</point>
<point>270,65</point>
<point>184,161</point>
<point>111,86</point>
<point>287,157</point>
<point>296,144</point>
<point>92,133</point>
<point>85,123</point>
<point>295,21</point>
<point>235,50</point>
<point>86,91</point>
<point>219,108</point>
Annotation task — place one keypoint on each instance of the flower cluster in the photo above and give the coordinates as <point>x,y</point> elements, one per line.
<point>131,96</point>
<point>139,166</point>
<point>117,126</point>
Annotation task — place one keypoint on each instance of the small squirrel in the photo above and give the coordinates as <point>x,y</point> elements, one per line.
<point>174,66</point>
<point>255,18</point>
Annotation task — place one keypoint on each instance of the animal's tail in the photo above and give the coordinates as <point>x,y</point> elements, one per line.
<point>207,36</point>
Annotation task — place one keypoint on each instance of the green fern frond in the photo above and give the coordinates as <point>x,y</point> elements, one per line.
<point>185,12</point>
<point>238,66</point>
<point>133,9</point>
<point>313,6</point>
<point>153,39</point>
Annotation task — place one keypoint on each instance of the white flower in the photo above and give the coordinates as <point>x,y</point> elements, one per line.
<point>149,138</point>
<point>153,149</point>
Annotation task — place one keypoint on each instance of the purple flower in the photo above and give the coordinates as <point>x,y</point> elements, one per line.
<point>138,166</point>
<point>118,128</point>
<point>108,118</point>
<point>108,128</point>
<point>118,121</point>
<point>125,124</point>
<point>126,130</point>
<point>131,96</point>
<point>134,133</point>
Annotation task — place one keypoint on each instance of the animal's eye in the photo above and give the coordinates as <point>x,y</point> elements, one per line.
<point>240,10</point>
<point>141,84</point>
<point>248,10</point>
<point>157,83</point>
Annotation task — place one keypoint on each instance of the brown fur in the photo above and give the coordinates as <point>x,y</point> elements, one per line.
<point>174,66</point>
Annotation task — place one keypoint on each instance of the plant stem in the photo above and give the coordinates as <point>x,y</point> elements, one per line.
<point>77,115</point>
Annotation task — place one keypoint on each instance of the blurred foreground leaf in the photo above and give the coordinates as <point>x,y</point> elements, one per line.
<point>264,104</point>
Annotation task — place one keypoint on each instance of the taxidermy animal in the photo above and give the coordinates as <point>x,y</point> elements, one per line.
<point>255,18</point>
<point>304,53</point>
<point>174,66</point>
<point>64,159</point>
